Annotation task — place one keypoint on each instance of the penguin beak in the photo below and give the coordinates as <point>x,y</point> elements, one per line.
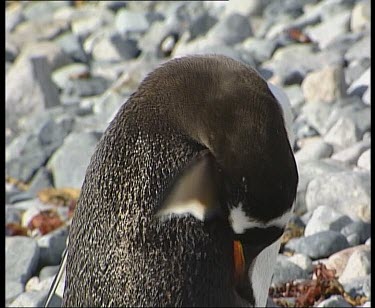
<point>239,262</point>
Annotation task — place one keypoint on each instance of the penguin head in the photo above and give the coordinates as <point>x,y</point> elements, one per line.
<point>246,173</point>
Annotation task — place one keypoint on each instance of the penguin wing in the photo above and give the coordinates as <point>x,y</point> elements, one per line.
<point>195,190</point>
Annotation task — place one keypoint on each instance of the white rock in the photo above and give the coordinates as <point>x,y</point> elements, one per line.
<point>359,265</point>
<point>361,16</point>
<point>351,154</point>
<point>324,85</point>
<point>364,161</point>
<point>327,31</point>
<point>343,134</point>
<point>326,218</point>
<point>363,81</point>
<point>302,261</point>
<point>314,150</point>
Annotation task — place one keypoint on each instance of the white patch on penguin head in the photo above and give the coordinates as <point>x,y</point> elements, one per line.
<point>240,222</point>
<point>284,102</point>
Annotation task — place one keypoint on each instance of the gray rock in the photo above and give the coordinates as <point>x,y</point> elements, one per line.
<point>69,162</point>
<point>353,239</point>
<point>201,24</point>
<point>42,75</point>
<point>366,97</point>
<point>277,9</point>
<point>246,8</point>
<point>86,87</point>
<point>316,115</point>
<point>40,10</point>
<point>286,270</point>
<point>353,110</point>
<point>61,76</point>
<point>42,179</point>
<point>359,86</point>
<point>314,150</point>
<point>324,85</point>
<point>12,290</point>
<point>11,50</point>
<point>355,69</point>
<point>30,299</point>
<point>328,30</point>
<point>296,97</point>
<point>48,271</point>
<point>128,21</point>
<point>22,256</point>
<point>33,157</point>
<point>334,301</point>
<point>52,246</point>
<point>359,50</point>
<point>12,215</point>
<point>72,46</point>
<point>260,49</point>
<point>326,218</point>
<point>302,261</point>
<point>14,16</point>
<point>318,245</point>
<point>307,172</point>
<point>298,60</point>
<point>303,129</point>
<point>115,48</point>
<point>343,134</point>
<point>351,154</point>
<point>359,265</point>
<point>231,29</point>
<point>364,161</point>
<point>347,192</point>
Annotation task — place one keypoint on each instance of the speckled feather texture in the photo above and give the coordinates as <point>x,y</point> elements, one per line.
<point>119,253</point>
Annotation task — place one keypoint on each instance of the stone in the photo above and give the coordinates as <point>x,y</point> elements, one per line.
<point>72,46</point>
<point>354,111</point>
<point>328,30</point>
<point>12,215</point>
<point>30,299</point>
<point>128,21</point>
<point>68,164</point>
<point>364,161</point>
<point>359,86</point>
<point>326,218</point>
<point>347,192</point>
<point>48,271</point>
<point>339,260</point>
<point>22,256</point>
<point>40,10</point>
<point>296,98</point>
<point>12,290</point>
<point>62,75</point>
<point>296,60</point>
<point>86,87</point>
<point>201,24</point>
<point>246,8</point>
<point>359,265</point>
<point>314,150</point>
<point>42,179</point>
<point>359,287</point>
<point>286,270</point>
<point>231,29</point>
<point>355,69</point>
<point>360,17</point>
<point>324,85</point>
<point>360,50</point>
<point>14,16</point>
<point>351,154</point>
<point>366,97</point>
<point>317,114</point>
<point>52,246</point>
<point>114,49</point>
<point>302,261</point>
<point>343,134</point>
<point>260,49</point>
<point>318,245</point>
<point>334,301</point>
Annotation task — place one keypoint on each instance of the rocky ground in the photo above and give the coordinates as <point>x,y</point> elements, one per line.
<point>71,65</point>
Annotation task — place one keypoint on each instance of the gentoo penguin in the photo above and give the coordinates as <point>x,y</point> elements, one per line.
<point>187,194</point>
